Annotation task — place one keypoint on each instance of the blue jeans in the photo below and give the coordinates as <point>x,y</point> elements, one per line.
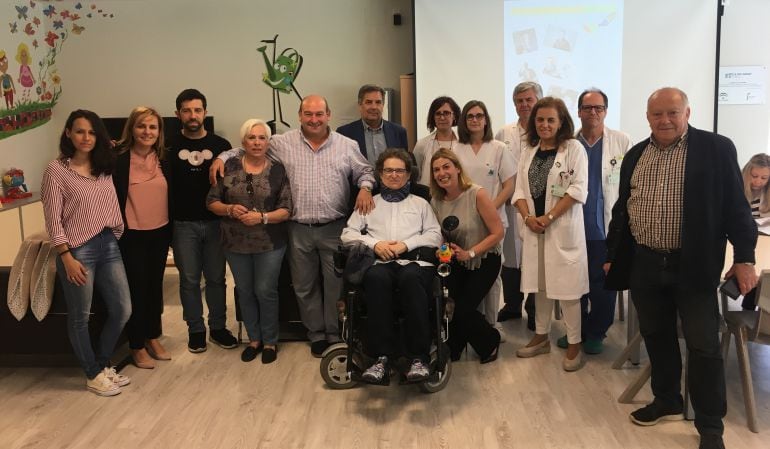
<point>256,280</point>
<point>101,258</point>
<point>198,248</point>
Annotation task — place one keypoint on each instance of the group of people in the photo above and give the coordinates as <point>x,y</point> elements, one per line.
<point>544,211</point>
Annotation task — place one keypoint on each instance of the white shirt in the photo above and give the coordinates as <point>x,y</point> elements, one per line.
<point>489,168</point>
<point>411,221</point>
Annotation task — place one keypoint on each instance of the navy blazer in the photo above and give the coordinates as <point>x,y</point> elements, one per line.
<point>120,179</point>
<point>395,135</point>
<point>714,210</point>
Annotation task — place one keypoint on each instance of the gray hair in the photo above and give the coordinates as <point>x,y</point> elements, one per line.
<point>527,85</point>
<point>676,89</point>
<point>251,123</point>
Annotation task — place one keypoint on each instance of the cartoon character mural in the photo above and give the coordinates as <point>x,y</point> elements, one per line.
<point>42,29</point>
<point>280,76</point>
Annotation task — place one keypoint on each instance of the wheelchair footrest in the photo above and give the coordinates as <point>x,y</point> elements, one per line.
<point>357,377</point>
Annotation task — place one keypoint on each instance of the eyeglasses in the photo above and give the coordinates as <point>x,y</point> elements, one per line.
<point>478,117</point>
<point>598,108</point>
<point>443,113</point>
<point>391,171</point>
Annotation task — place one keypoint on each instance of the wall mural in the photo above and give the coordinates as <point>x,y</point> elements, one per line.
<point>29,79</point>
<point>281,73</point>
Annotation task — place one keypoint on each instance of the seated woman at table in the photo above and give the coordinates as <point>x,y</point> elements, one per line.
<point>255,199</point>
<point>399,226</point>
<point>476,246</point>
<point>756,184</point>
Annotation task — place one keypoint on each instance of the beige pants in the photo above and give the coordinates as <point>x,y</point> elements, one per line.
<point>544,306</point>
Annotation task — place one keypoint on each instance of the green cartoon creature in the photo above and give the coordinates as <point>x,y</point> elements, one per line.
<point>280,75</point>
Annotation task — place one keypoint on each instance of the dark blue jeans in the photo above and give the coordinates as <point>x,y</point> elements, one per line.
<point>198,249</point>
<point>660,297</point>
<point>599,317</point>
<point>101,258</point>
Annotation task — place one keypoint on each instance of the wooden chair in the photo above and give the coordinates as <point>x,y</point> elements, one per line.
<point>754,326</point>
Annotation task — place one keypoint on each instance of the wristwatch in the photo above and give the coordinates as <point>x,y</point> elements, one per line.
<point>551,217</point>
<point>472,253</point>
<point>367,188</point>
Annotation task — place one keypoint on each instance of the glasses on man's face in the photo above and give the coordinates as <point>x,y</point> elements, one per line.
<point>394,171</point>
<point>598,108</point>
<point>476,117</point>
<point>443,114</point>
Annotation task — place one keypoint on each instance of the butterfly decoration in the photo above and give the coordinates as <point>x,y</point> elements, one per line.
<point>64,14</point>
<point>29,30</point>
<point>49,12</point>
<point>14,27</point>
<point>77,29</point>
<point>89,15</point>
<point>78,6</point>
<point>36,21</point>
<point>93,6</point>
<point>57,24</point>
<point>74,17</point>
<point>34,43</point>
<point>51,38</point>
<point>22,12</point>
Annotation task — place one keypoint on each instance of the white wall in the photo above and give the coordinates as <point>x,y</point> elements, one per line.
<point>745,36</point>
<point>153,49</point>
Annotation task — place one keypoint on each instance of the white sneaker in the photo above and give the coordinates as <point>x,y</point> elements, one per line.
<point>116,378</point>
<point>102,385</point>
<point>499,327</point>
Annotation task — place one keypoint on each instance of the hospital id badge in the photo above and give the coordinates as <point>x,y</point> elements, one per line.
<point>613,178</point>
<point>558,190</point>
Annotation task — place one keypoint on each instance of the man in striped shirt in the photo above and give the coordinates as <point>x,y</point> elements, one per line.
<point>320,164</point>
<point>680,199</point>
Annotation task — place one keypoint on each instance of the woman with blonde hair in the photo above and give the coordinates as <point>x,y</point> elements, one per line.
<point>756,185</point>
<point>475,243</point>
<point>141,180</point>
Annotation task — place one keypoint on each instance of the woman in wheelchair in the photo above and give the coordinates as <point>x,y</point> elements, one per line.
<point>475,243</point>
<point>400,230</point>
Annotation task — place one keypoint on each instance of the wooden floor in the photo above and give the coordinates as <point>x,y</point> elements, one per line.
<point>213,400</point>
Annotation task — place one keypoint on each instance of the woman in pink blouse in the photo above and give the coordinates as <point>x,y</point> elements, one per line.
<point>142,182</point>
<point>83,221</point>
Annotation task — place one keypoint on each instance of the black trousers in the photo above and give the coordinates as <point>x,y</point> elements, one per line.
<point>659,297</point>
<point>512,295</point>
<point>144,256</point>
<point>468,288</point>
<point>413,283</point>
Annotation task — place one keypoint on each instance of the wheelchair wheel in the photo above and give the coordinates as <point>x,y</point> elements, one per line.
<point>433,385</point>
<point>334,370</point>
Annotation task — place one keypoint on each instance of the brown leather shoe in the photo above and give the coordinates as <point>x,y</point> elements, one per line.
<point>156,350</point>
<point>142,359</point>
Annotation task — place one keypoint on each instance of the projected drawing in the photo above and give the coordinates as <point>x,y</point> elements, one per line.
<point>554,39</point>
<point>525,41</point>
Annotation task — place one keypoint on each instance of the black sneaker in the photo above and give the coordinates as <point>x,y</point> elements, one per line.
<point>654,413</point>
<point>317,348</point>
<point>710,441</point>
<point>197,342</point>
<point>223,338</point>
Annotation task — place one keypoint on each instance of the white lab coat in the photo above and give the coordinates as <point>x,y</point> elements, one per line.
<point>615,144</point>
<point>512,135</point>
<point>566,261</point>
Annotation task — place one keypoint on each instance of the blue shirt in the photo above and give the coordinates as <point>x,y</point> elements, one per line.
<point>593,209</point>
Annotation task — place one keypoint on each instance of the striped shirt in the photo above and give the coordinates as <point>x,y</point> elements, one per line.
<point>755,207</point>
<point>319,179</point>
<point>77,208</point>
<point>657,192</point>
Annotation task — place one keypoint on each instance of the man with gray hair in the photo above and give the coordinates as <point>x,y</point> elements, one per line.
<point>373,133</point>
<point>525,95</point>
<point>680,200</point>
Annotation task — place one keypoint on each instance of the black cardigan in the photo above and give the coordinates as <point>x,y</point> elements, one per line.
<point>715,210</point>
<point>120,179</point>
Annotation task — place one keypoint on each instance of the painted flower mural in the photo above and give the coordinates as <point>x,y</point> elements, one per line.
<point>43,28</point>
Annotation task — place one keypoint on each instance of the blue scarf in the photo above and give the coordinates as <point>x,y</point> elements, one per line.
<point>394,196</point>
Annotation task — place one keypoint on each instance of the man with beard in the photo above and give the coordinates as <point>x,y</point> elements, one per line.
<point>196,242</point>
